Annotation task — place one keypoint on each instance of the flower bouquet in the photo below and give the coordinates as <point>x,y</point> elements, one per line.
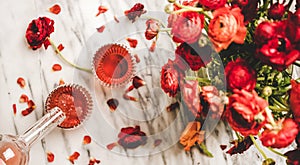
<point>250,48</point>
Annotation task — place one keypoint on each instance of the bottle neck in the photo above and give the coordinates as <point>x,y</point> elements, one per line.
<point>43,126</point>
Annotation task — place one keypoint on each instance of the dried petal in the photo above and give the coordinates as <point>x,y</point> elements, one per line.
<point>31,104</point>
<point>87,139</point>
<point>23,98</point>
<point>61,82</point>
<point>173,106</point>
<point>132,42</point>
<point>111,146</point>
<point>127,97</point>
<point>138,82</point>
<point>50,157</point>
<point>101,10</point>
<point>153,46</point>
<point>60,48</point>
<point>74,157</point>
<point>14,109</point>
<point>240,146</point>
<point>130,88</point>
<point>101,29</point>
<point>93,161</point>
<point>136,11</point>
<point>157,142</point>
<point>116,19</point>
<point>56,67</point>
<point>223,147</point>
<point>27,111</point>
<point>137,59</point>
<point>113,104</point>
<point>55,9</point>
<point>21,82</point>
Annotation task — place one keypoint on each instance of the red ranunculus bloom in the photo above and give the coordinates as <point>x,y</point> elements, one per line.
<point>276,11</point>
<point>169,79</point>
<point>240,75</point>
<point>152,29</point>
<point>136,11</point>
<point>265,31</point>
<point>293,28</point>
<point>248,7</point>
<point>132,137</point>
<point>213,4</point>
<point>281,135</point>
<point>295,100</point>
<point>213,103</point>
<point>38,31</point>
<point>194,55</point>
<point>293,157</point>
<point>186,27</point>
<point>227,26</point>
<point>246,112</point>
<point>191,97</point>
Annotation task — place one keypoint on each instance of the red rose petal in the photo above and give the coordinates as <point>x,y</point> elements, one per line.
<point>27,111</point>
<point>137,59</point>
<point>113,104</point>
<point>56,67</point>
<point>55,9</point>
<point>101,10</point>
<point>50,157</point>
<point>74,157</point>
<point>21,82</point>
<point>31,104</point>
<point>132,42</point>
<point>138,82</point>
<point>23,98</point>
<point>157,142</point>
<point>87,139</point>
<point>101,29</point>
<point>14,109</point>
<point>111,146</point>
<point>153,46</point>
<point>116,19</point>
<point>130,88</point>
<point>60,47</point>
<point>47,43</point>
<point>93,161</point>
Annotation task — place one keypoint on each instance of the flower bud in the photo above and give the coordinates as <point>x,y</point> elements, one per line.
<point>169,9</point>
<point>267,91</point>
<point>276,11</point>
<point>171,1</point>
<point>268,161</point>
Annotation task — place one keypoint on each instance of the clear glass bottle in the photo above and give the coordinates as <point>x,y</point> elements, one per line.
<point>14,150</point>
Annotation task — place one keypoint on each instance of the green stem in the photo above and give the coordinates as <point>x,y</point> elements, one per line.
<point>199,79</point>
<point>165,29</point>
<point>67,61</point>
<point>258,148</point>
<point>278,108</point>
<point>205,151</point>
<point>278,103</point>
<point>190,8</point>
<point>276,152</point>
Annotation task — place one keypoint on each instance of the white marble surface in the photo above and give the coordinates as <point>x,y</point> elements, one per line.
<point>73,26</point>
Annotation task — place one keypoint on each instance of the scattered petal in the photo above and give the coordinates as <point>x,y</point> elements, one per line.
<point>61,82</point>
<point>153,46</point>
<point>101,10</point>
<point>127,97</point>
<point>55,9</point>
<point>223,147</point>
<point>101,29</point>
<point>157,142</point>
<point>137,59</point>
<point>14,109</point>
<point>31,104</point>
<point>56,67</point>
<point>87,139</point>
<point>130,88</point>
<point>136,11</point>
<point>50,157</point>
<point>138,82</point>
<point>172,106</point>
<point>111,146</point>
<point>27,111</point>
<point>23,98</point>
<point>116,19</point>
<point>93,161</point>
<point>132,42</point>
<point>60,48</point>
<point>74,157</point>
<point>113,104</point>
<point>240,146</point>
<point>21,82</point>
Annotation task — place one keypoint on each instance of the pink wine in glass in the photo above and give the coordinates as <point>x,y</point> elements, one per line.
<point>113,65</point>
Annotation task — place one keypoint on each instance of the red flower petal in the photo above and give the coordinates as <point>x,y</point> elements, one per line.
<point>60,47</point>
<point>111,146</point>
<point>157,142</point>
<point>23,98</point>
<point>132,42</point>
<point>46,43</point>
<point>137,59</point>
<point>74,157</point>
<point>101,10</point>
<point>240,146</point>
<point>223,147</point>
<point>127,97</point>
<point>56,67</point>
<point>21,82</point>
<point>173,106</point>
<point>153,46</point>
<point>50,157</point>
<point>61,82</point>
<point>113,104</point>
<point>138,82</point>
<point>31,104</point>
<point>87,139</point>
<point>55,9</point>
<point>116,19</point>
<point>101,29</point>
<point>27,111</point>
<point>93,161</point>
<point>14,109</point>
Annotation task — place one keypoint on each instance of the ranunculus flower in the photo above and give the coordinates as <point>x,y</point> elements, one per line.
<point>38,31</point>
<point>213,4</point>
<point>248,7</point>
<point>276,11</point>
<point>293,28</point>
<point>293,157</point>
<point>191,135</point>
<point>194,55</point>
<point>246,112</point>
<point>265,31</point>
<point>132,137</point>
<point>281,135</point>
<point>169,79</point>
<point>191,97</point>
<point>227,26</point>
<point>213,103</point>
<point>152,29</point>
<point>240,75</point>
<point>186,26</point>
<point>295,100</point>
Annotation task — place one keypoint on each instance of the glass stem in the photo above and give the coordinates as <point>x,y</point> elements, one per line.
<point>43,126</point>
